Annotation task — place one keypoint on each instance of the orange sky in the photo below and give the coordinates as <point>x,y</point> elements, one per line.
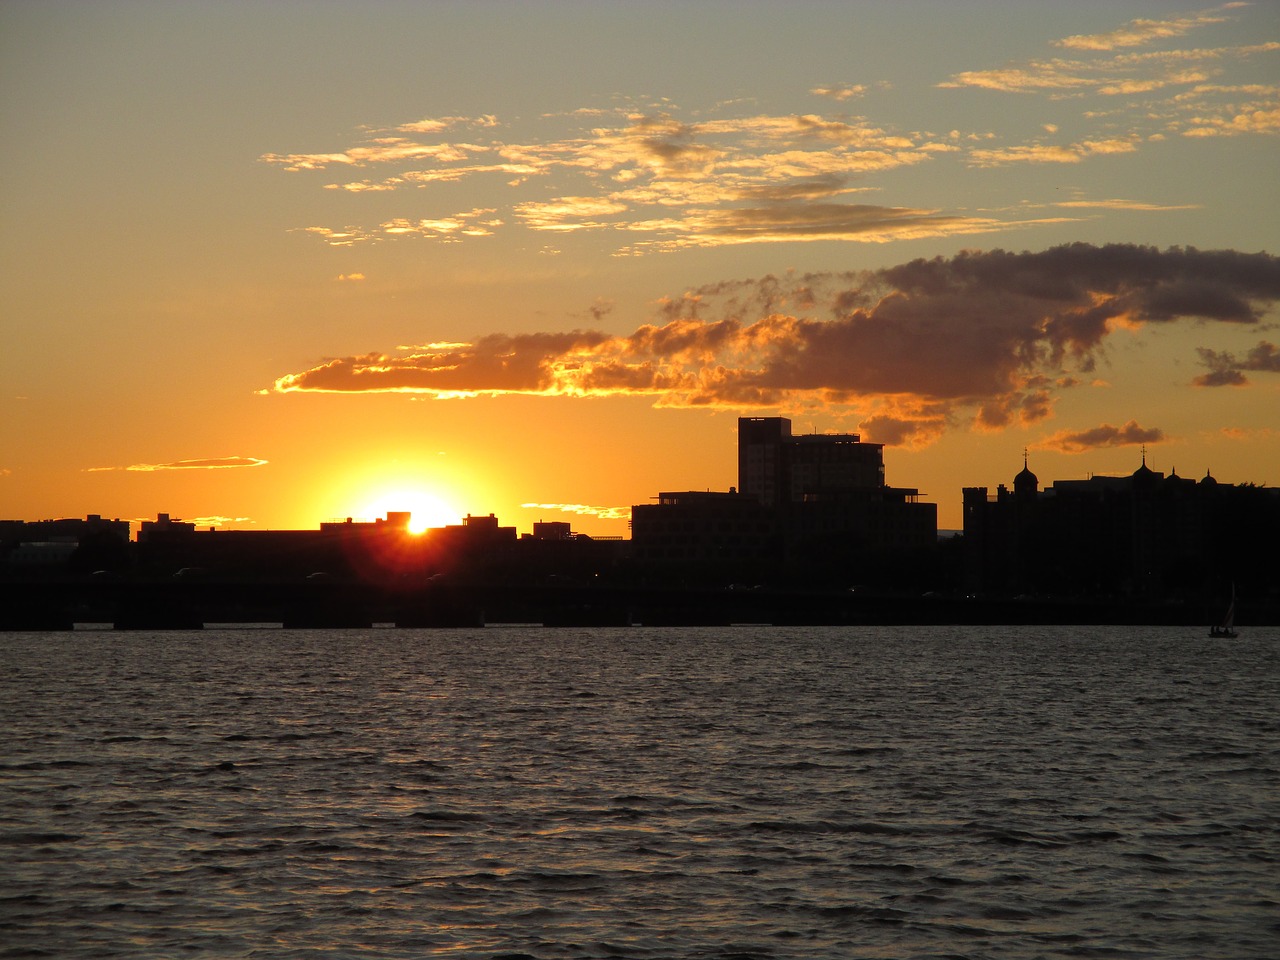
<point>264,265</point>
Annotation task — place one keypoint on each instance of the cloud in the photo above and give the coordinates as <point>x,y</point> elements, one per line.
<point>568,213</point>
<point>1120,75</point>
<point>1105,435</point>
<point>218,463</point>
<point>218,521</point>
<point>1138,32</point>
<point>1125,205</point>
<point>494,364</point>
<point>840,92</point>
<point>992,339</point>
<point>784,223</point>
<point>379,150</point>
<point>583,510</point>
<point>350,277</point>
<point>471,223</point>
<point>388,149</point>
<point>1049,153</point>
<point>1160,92</point>
<point>652,175</point>
<point>644,176</point>
<point>1257,435</point>
<point>902,432</point>
<point>1262,120</point>
<point>436,125</point>
<point>1225,370</point>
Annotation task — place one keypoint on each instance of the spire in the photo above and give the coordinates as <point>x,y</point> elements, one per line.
<point>1145,473</point>
<point>1026,481</point>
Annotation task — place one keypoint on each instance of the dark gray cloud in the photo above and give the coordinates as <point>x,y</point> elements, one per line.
<point>988,337</point>
<point>1226,370</point>
<point>1105,435</point>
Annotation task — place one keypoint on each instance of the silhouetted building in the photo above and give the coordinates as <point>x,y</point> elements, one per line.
<point>164,526</point>
<point>382,551</point>
<point>168,546</point>
<point>813,505</point>
<point>701,528</point>
<point>1142,535</point>
<point>555,553</point>
<point>552,530</point>
<point>474,535</point>
<point>776,467</point>
<point>55,543</point>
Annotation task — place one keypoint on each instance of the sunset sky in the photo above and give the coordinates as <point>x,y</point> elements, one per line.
<point>268,264</point>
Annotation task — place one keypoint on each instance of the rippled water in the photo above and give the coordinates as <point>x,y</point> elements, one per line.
<point>641,793</point>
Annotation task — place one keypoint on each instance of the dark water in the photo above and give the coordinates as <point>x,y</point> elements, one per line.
<point>641,793</point>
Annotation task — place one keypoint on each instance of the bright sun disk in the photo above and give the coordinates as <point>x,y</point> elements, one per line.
<point>426,509</point>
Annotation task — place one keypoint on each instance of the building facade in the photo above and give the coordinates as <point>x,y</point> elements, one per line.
<point>1145,535</point>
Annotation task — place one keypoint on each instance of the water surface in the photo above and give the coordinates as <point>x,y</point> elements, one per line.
<point>745,792</point>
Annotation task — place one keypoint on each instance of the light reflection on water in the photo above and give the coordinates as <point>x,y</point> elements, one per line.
<point>645,793</point>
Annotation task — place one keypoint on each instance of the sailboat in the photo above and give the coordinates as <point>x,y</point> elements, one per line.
<point>1227,628</point>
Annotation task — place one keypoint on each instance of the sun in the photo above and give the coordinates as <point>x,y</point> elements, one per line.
<point>426,509</point>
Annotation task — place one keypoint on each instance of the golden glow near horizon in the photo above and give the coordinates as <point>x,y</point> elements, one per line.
<point>429,273</point>
<point>426,510</point>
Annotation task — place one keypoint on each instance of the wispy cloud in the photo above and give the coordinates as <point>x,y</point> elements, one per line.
<point>661,182</point>
<point>991,339</point>
<point>1049,153</point>
<point>1138,32</point>
<point>1104,435</point>
<point>218,521</point>
<point>1120,75</point>
<point>778,223</point>
<point>216,463</point>
<point>1116,204</point>
<point>645,176</point>
<point>1259,435</point>
<point>841,92</point>
<point>583,510</point>
<point>451,229</point>
<point>1157,92</point>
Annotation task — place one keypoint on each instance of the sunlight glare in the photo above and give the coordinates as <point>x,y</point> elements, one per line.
<point>427,510</point>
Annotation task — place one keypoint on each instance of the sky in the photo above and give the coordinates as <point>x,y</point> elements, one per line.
<point>267,265</point>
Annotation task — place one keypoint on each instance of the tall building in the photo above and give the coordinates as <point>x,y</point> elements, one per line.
<point>776,467</point>
<point>814,506</point>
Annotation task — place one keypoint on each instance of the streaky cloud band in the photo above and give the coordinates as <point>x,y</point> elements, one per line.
<point>216,463</point>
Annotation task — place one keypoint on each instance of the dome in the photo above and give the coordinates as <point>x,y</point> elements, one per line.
<point>1209,479</point>
<point>1026,480</point>
<point>1145,474</point>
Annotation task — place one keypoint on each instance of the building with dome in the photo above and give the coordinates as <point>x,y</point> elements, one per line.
<point>1142,535</point>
